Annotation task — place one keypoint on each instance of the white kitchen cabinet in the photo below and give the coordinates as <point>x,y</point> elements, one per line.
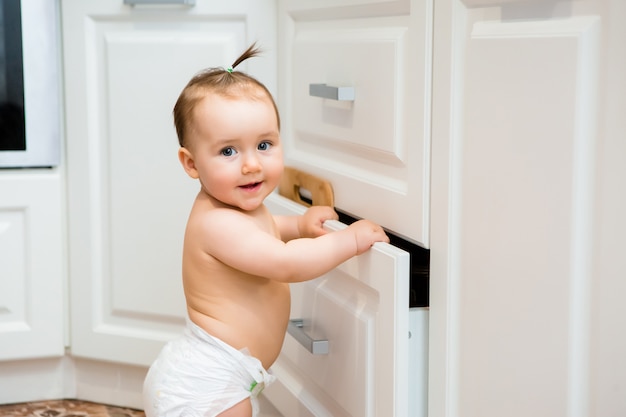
<point>527,209</point>
<point>31,265</point>
<point>373,147</point>
<point>355,103</point>
<point>128,196</point>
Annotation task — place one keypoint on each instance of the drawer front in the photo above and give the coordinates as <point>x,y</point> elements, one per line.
<point>361,309</point>
<point>341,310</point>
<point>367,128</point>
<point>372,144</point>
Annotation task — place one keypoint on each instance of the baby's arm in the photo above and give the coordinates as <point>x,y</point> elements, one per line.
<point>240,243</point>
<point>310,224</point>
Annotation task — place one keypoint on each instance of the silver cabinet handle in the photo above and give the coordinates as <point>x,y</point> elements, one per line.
<point>296,330</point>
<point>333,93</point>
<point>160,2</point>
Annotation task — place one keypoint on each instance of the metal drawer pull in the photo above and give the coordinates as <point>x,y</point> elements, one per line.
<point>296,330</point>
<point>160,2</point>
<point>333,93</point>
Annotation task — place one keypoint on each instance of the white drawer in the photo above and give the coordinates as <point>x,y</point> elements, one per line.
<point>361,308</point>
<point>373,149</point>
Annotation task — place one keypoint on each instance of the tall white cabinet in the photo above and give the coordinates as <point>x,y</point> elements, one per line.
<point>528,172</point>
<point>128,196</point>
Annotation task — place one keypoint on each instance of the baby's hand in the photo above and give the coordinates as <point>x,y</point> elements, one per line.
<point>367,233</point>
<point>310,224</point>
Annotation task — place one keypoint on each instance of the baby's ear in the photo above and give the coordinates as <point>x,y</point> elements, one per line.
<point>186,159</point>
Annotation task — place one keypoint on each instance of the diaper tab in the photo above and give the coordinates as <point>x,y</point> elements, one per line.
<point>256,388</point>
<point>262,378</point>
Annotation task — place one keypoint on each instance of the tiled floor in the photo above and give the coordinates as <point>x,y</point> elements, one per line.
<point>66,408</point>
<point>75,408</point>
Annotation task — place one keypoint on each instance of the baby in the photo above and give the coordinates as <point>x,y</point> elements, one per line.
<point>238,259</point>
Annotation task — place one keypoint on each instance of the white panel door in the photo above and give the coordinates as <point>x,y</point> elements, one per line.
<point>31,265</point>
<point>528,201</point>
<point>128,196</point>
<point>373,147</point>
<point>361,309</point>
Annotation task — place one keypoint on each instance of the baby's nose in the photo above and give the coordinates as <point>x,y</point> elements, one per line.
<point>251,163</point>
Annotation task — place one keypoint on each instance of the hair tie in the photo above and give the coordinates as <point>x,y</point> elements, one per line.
<point>229,69</point>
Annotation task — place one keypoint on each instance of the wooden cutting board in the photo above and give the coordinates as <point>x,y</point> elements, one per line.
<point>296,184</point>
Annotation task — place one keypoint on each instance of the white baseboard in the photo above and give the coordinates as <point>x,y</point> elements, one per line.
<point>69,377</point>
<point>34,380</point>
<point>110,383</point>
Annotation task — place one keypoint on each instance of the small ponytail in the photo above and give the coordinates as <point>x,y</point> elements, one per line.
<point>251,52</point>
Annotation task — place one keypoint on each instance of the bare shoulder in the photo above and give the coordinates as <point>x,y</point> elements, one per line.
<point>218,215</point>
<point>217,220</point>
<point>227,225</point>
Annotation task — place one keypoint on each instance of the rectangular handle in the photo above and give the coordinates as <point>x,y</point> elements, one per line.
<point>296,330</point>
<point>160,2</point>
<point>333,93</point>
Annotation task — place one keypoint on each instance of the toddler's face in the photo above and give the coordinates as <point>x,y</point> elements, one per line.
<point>236,149</point>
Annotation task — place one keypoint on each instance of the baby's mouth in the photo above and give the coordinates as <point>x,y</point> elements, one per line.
<point>251,186</point>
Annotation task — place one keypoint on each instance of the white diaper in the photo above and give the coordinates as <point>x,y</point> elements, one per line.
<point>199,375</point>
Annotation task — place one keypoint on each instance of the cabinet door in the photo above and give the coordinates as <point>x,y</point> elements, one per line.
<point>128,196</point>
<point>31,266</point>
<point>373,147</point>
<point>362,310</point>
<point>527,278</point>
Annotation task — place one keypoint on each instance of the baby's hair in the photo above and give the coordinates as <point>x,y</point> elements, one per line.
<point>217,80</point>
<point>251,52</point>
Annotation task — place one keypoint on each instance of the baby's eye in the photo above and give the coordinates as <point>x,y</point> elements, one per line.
<point>230,151</point>
<point>264,146</point>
